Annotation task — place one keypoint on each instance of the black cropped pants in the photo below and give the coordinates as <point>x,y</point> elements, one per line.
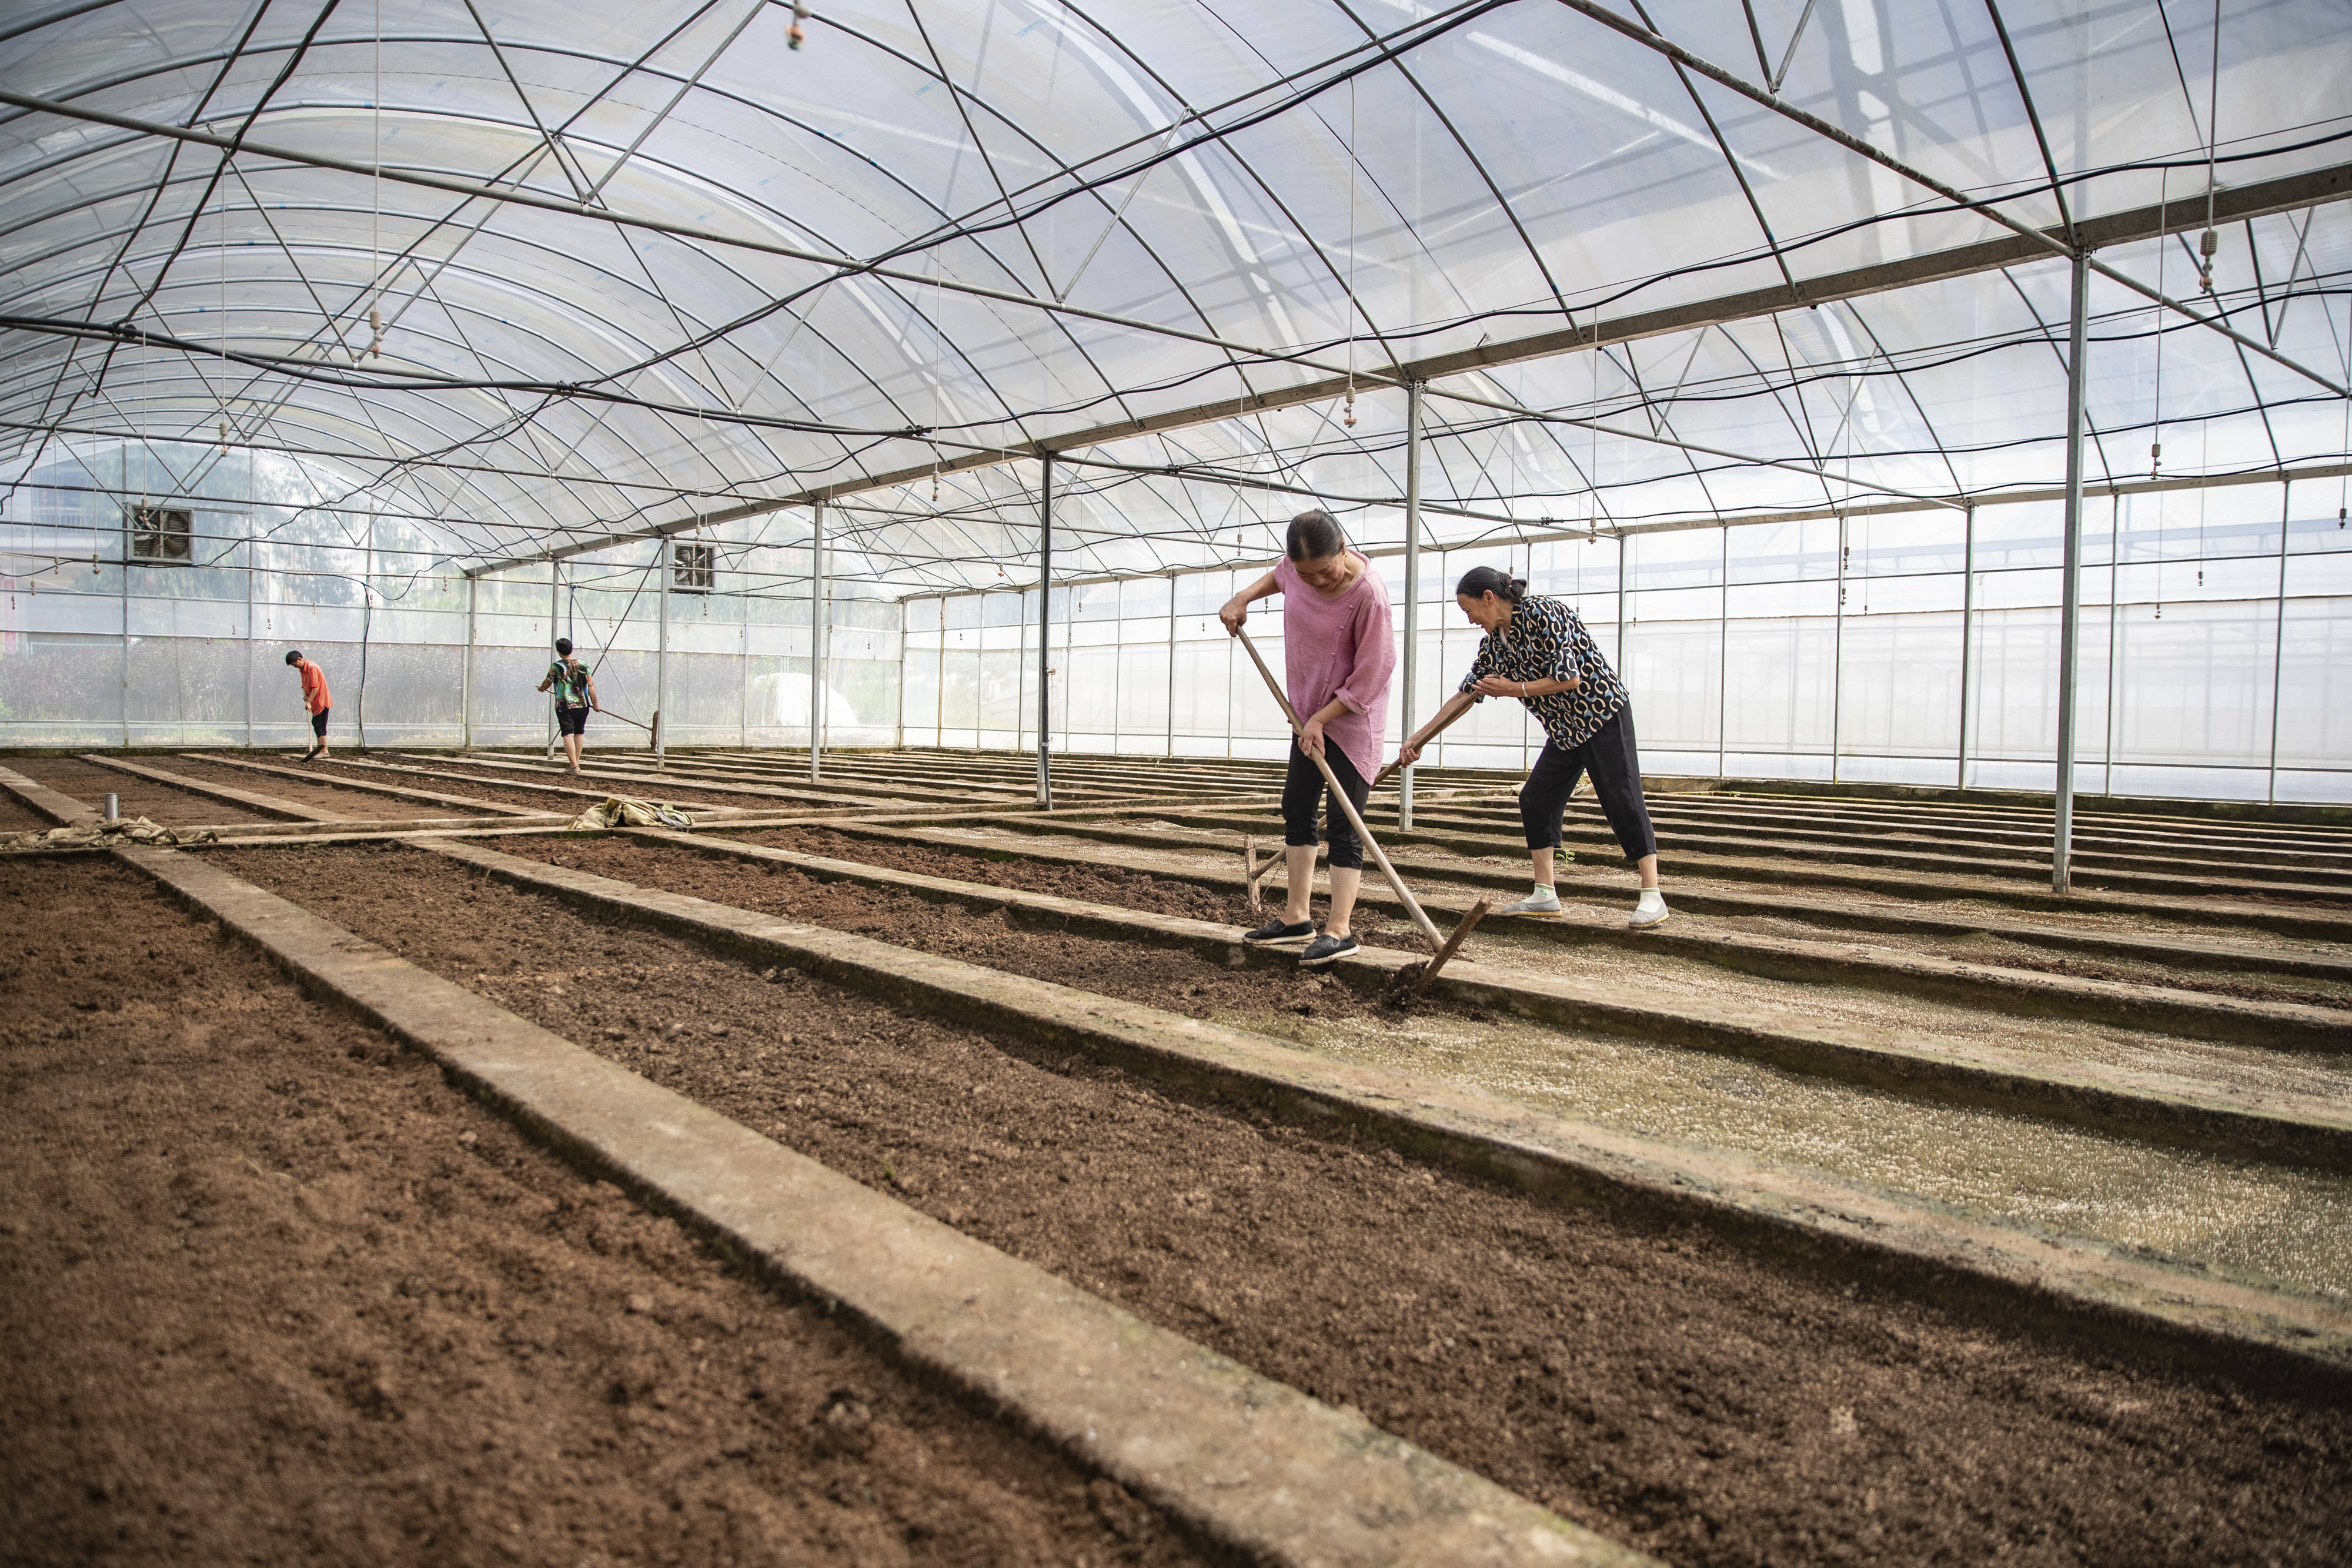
<point>1616,768</point>
<point>1303,790</point>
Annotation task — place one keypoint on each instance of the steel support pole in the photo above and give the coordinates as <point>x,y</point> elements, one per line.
<point>123,596</point>
<point>1620,606</point>
<point>367,625</point>
<point>1837,660</point>
<point>2278,639</point>
<point>1412,590</point>
<point>2115,589</point>
<point>1168,747</point>
<point>554,614</point>
<point>1045,640</point>
<point>1967,636</point>
<point>251,545</point>
<point>662,556</point>
<point>1723,652</point>
<point>816,640</point>
<point>465,671</point>
<point>2062,840</point>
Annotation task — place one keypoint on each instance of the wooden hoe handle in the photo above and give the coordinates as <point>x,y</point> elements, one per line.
<point>1355,819</point>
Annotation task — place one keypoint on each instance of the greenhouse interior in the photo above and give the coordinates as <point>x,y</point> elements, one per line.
<point>1932,420</point>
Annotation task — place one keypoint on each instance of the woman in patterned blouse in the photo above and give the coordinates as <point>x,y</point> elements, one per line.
<point>1537,651</point>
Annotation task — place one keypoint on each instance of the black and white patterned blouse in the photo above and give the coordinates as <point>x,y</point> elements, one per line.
<point>1546,641</point>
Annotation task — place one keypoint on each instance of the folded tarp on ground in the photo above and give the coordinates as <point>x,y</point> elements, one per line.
<point>622,812</point>
<point>97,835</point>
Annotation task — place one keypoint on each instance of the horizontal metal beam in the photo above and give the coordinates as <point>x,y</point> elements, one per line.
<point>2262,198</point>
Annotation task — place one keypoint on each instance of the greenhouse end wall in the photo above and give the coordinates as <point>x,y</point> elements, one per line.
<point>97,650</point>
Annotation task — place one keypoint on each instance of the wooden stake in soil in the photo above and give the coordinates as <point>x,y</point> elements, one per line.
<point>1251,874</point>
<point>1462,928</point>
<point>1339,797</point>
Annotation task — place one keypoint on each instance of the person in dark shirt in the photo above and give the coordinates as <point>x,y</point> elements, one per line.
<point>576,693</point>
<point>1537,651</point>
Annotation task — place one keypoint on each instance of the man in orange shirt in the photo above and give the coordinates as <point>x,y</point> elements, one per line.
<point>315,698</point>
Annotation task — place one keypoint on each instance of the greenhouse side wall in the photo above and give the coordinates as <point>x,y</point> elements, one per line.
<point>1919,648</point>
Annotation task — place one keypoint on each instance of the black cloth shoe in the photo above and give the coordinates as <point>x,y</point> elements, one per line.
<point>1326,949</point>
<point>1274,934</point>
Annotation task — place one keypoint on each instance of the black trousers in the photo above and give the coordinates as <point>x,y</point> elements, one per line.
<point>1616,768</point>
<point>570,720</point>
<point>319,722</point>
<point>1303,790</point>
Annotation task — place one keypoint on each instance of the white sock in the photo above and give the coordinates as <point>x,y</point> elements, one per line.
<point>1543,890</point>
<point>1651,898</point>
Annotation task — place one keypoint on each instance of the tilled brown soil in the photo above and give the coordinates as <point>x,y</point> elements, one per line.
<point>976,934</point>
<point>1158,895</point>
<point>2285,988</point>
<point>273,1292</point>
<point>497,784</point>
<point>466,788</point>
<point>18,817</point>
<point>89,783</point>
<point>1656,1384</point>
<point>320,796</point>
<point>1094,884</point>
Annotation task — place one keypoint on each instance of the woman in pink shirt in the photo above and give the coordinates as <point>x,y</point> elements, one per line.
<point>1337,655</point>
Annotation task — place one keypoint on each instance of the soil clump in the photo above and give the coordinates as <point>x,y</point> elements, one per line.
<point>1652,1382</point>
<point>274,1292</point>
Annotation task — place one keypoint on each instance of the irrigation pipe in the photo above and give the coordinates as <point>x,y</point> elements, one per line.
<point>1339,799</point>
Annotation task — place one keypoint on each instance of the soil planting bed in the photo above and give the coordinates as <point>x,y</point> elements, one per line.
<point>470,788</point>
<point>1179,981</point>
<point>1094,884</point>
<point>1653,1383</point>
<point>1141,890</point>
<point>275,1293</point>
<point>491,777</point>
<point>16,817</point>
<point>89,783</point>
<point>321,796</point>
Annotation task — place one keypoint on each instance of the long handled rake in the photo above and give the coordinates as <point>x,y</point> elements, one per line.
<point>653,729</point>
<point>1385,774</point>
<point>1355,819</point>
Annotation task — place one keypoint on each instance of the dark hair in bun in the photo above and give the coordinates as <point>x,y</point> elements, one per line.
<point>1481,581</point>
<point>1315,536</point>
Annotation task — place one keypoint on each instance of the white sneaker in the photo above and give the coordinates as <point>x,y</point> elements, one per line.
<point>1544,903</point>
<point>1651,910</point>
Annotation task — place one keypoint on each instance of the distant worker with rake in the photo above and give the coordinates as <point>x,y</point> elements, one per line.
<point>576,693</point>
<point>1537,650</point>
<point>315,698</point>
<point>1338,655</point>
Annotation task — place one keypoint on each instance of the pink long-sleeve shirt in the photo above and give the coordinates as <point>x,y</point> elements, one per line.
<point>1340,648</point>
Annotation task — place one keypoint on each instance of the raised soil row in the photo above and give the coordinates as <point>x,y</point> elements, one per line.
<point>1656,1384</point>
<point>282,1295</point>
